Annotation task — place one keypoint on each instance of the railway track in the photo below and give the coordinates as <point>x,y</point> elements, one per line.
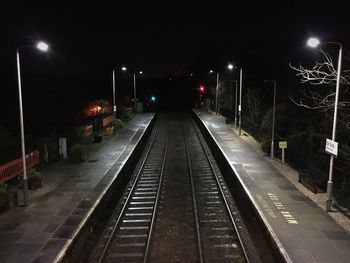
<point>177,207</point>
<point>217,231</point>
<point>129,238</point>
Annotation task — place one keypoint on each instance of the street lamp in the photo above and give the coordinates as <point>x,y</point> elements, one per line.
<point>273,116</point>
<point>240,102</point>
<point>232,68</point>
<point>114,103</point>
<point>217,94</point>
<point>123,68</point>
<point>135,100</point>
<point>43,47</point>
<point>216,91</point>
<point>236,85</point>
<point>314,42</point>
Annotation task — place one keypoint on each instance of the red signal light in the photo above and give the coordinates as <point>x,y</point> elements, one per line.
<point>201,89</point>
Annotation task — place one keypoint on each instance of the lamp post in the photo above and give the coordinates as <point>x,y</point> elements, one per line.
<point>236,84</point>
<point>240,102</point>
<point>217,94</point>
<point>114,80</point>
<point>314,42</point>
<point>273,116</point>
<point>114,104</point>
<point>43,47</point>
<point>135,100</point>
<point>232,68</point>
<point>216,90</point>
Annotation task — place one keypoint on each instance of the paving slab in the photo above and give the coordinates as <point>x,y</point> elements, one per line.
<point>302,231</point>
<point>41,231</point>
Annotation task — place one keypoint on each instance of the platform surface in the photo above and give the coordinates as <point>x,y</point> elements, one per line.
<point>302,231</point>
<point>41,231</point>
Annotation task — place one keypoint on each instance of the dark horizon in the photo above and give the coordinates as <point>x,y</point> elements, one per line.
<point>164,40</point>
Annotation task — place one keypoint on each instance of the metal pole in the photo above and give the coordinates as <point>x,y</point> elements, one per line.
<point>135,91</point>
<point>25,179</point>
<point>273,119</point>
<point>240,102</point>
<point>217,94</point>
<point>114,103</point>
<point>232,106</point>
<point>236,83</point>
<point>330,183</point>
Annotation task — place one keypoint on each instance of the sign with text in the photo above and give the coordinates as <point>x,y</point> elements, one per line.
<point>283,144</point>
<point>331,147</point>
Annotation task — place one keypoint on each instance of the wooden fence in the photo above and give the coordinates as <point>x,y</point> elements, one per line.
<point>107,121</point>
<point>15,168</point>
<point>89,129</point>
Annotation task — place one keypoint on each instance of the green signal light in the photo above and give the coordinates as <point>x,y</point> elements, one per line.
<point>153,98</point>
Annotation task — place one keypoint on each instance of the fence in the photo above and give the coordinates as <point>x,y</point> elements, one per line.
<point>107,121</point>
<point>15,168</point>
<point>88,130</point>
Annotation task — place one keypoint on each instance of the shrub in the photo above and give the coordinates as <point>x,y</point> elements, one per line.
<point>33,173</point>
<point>77,135</point>
<point>109,131</point>
<point>119,124</point>
<point>78,153</point>
<point>4,188</point>
<point>266,143</point>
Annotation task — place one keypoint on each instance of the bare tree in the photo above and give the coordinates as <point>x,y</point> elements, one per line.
<point>253,105</point>
<point>320,94</point>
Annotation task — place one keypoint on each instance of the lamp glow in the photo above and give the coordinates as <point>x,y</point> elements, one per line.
<point>230,66</point>
<point>42,46</point>
<point>313,42</point>
<point>123,68</point>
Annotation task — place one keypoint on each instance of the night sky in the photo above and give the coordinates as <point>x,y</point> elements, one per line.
<point>164,39</point>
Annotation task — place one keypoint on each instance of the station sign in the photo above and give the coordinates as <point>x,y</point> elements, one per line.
<point>331,147</point>
<point>282,144</point>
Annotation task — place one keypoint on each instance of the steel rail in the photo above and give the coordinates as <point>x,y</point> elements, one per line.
<point>116,225</point>
<point>194,201</point>
<point>156,202</point>
<point>221,191</point>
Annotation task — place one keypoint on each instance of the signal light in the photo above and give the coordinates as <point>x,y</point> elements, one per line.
<point>153,98</point>
<point>201,88</point>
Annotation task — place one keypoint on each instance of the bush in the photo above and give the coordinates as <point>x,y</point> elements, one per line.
<point>77,135</point>
<point>34,179</point>
<point>109,131</point>
<point>343,197</point>
<point>119,124</point>
<point>266,143</point>
<point>33,173</point>
<point>78,153</point>
<point>4,188</point>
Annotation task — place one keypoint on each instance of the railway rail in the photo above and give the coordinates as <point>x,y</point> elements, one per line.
<point>176,207</point>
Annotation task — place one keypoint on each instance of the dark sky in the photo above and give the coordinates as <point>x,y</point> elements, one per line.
<point>88,40</point>
<point>165,37</point>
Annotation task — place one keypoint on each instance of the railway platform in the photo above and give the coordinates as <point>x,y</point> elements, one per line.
<point>44,230</point>
<point>299,229</point>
